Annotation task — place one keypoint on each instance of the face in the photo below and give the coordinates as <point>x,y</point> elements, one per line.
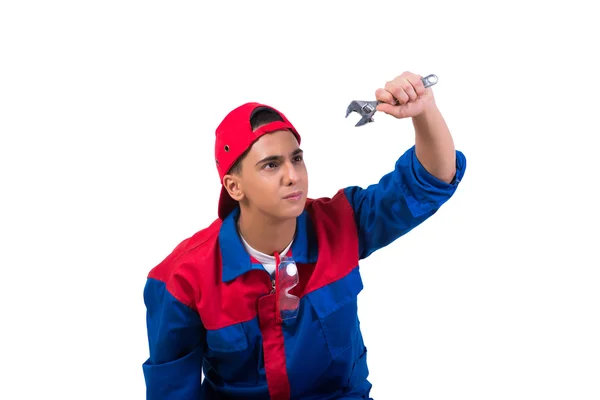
<point>273,179</point>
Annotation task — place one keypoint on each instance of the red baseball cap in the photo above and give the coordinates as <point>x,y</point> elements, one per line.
<point>234,136</point>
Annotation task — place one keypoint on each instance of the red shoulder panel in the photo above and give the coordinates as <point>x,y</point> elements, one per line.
<point>179,270</point>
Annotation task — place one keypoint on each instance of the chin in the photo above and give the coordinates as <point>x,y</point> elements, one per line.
<point>293,211</point>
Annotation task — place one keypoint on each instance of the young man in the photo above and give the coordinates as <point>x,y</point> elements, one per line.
<point>264,300</point>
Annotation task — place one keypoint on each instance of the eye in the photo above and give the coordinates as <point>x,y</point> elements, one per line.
<point>270,165</point>
<point>298,158</point>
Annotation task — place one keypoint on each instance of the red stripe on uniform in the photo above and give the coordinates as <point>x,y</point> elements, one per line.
<point>273,349</point>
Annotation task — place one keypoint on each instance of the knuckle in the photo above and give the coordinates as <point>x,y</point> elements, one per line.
<point>407,86</point>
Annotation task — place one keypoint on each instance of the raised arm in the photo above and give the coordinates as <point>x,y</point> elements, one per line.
<point>423,178</point>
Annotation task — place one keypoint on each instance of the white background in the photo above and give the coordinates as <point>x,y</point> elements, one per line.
<point>107,118</point>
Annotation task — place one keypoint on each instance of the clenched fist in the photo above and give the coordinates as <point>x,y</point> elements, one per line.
<point>405,96</point>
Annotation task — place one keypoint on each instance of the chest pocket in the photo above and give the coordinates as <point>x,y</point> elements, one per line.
<point>336,307</point>
<point>227,340</point>
<point>228,351</point>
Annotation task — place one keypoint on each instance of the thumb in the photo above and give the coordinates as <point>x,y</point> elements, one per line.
<point>395,111</point>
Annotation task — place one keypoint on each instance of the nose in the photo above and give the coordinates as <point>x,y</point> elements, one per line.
<point>290,176</point>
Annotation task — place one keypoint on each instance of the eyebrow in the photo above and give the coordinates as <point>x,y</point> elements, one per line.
<point>280,157</point>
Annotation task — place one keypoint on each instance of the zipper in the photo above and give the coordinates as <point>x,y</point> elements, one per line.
<point>274,280</point>
<point>274,284</point>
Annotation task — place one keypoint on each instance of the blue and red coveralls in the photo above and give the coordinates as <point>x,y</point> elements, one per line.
<point>209,306</point>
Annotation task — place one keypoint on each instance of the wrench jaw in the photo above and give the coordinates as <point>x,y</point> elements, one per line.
<point>354,106</point>
<point>366,109</point>
<point>365,120</point>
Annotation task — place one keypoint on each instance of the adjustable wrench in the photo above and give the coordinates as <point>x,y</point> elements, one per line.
<point>367,109</point>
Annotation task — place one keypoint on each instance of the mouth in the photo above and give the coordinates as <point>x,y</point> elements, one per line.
<point>293,196</point>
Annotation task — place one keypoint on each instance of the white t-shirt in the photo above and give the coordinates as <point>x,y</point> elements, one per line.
<point>266,260</point>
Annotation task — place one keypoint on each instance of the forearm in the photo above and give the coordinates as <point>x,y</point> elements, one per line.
<point>434,145</point>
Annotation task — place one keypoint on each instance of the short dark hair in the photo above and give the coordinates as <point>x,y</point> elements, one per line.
<point>260,117</point>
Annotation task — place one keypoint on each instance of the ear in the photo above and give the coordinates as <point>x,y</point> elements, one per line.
<point>233,185</point>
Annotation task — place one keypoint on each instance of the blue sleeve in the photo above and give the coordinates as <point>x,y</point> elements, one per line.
<point>175,336</point>
<point>402,199</point>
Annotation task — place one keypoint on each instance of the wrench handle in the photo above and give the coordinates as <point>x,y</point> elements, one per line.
<point>429,80</point>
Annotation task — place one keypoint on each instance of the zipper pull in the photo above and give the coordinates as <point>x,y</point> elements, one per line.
<point>273,286</point>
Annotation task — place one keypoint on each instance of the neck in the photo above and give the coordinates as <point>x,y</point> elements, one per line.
<point>266,234</point>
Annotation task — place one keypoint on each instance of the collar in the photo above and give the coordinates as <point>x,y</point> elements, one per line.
<point>235,259</point>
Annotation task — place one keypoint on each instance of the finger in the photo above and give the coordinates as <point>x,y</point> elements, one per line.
<point>398,92</point>
<point>408,88</point>
<point>417,84</point>
<point>384,96</point>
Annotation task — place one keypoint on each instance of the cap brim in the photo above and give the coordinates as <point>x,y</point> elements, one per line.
<point>226,204</point>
